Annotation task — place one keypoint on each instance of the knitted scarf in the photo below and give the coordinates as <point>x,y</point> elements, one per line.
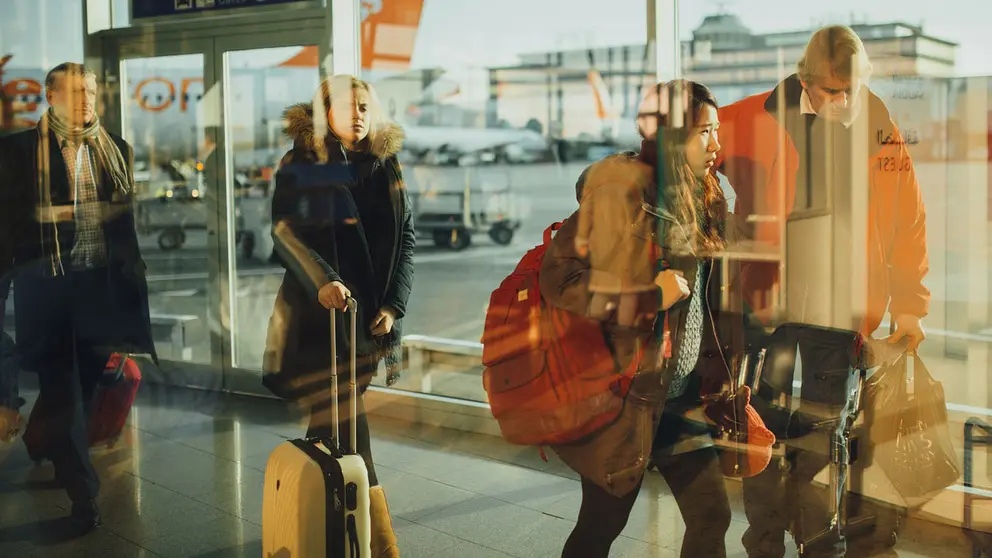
<point>108,157</point>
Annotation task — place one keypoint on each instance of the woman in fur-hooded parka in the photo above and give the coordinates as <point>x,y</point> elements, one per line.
<point>343,228</point>
<point>340,214</point>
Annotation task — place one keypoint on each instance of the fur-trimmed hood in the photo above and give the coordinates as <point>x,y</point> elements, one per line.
<point>298,124</point>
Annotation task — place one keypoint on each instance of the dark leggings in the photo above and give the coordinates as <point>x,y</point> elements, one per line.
<point>322,425</point>
<point>697,483</point>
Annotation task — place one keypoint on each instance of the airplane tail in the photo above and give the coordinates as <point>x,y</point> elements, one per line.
<point>601,95</point>
<point>606,112</point>
<point>389,31</point>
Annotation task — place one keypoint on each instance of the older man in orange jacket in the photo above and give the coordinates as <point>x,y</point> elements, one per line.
<point>824,94</point>
<point>818,109</point>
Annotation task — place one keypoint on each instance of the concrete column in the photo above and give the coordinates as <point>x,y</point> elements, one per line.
<point>97,16</point>
<point>663,30</point>
<point>976,177</point>
<point>345,39</point>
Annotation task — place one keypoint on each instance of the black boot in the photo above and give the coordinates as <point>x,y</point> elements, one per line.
<point>85,516</point>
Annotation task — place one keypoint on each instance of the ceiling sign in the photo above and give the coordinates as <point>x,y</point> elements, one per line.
<point>141,9</point>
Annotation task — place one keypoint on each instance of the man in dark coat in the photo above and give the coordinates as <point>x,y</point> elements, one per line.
<point>67,239</point>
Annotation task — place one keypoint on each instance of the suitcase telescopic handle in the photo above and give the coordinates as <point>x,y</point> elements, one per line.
<point>351,307</point>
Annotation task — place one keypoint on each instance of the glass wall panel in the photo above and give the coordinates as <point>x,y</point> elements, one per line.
<point>164,122</point>
<point>503,105</point>
<point>856,204</point>
<point>902,243</point>
<point>260,85</point>
<point>35,36</point>
<point>916,76</point>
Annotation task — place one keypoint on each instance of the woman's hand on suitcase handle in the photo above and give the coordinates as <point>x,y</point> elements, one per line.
<point>334,295</point>
<point>674,288</point>
<point>383,322</point>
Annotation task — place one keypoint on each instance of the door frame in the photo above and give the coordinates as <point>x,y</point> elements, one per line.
<point>212,39</point>
<point>236,378</point>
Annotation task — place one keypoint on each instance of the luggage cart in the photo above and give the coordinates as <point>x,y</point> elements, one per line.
<point>772,380</point>
<point>453,228</point>
<point>843,453</point>
<point>170,219</point>
<point>452,204</point>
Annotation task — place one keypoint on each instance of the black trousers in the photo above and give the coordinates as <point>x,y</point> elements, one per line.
<point>697,483</point>
<point>782,498</point>
<point>59,324</point>
<point>322,426</point>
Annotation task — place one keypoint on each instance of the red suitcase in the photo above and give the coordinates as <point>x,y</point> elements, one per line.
<point>110,409</point>
<point>113,404</point>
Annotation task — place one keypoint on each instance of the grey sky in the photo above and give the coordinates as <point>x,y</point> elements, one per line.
<point>460,33</point>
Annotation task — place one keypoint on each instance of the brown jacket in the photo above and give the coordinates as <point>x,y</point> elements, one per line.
<point>616,230</point>
<point>615,456</point>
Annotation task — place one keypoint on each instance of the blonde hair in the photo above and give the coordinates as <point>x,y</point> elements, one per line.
<point>376,122</point>
<point>835,51</point>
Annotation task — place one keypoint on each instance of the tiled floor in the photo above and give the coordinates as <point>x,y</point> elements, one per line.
<point>186,480</point>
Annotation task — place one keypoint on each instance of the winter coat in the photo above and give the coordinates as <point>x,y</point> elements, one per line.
<point>346,219</point>
<point>752,160</point>
<point>27,244</point>
<point>617,254</point>
<point>565,280</point>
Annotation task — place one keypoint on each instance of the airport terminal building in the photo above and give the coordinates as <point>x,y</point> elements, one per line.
<point>723,53</point>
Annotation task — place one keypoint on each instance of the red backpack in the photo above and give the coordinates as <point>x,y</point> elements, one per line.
<point>550,375</point>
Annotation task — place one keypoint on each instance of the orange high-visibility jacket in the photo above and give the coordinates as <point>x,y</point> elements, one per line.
<point>752,161</point>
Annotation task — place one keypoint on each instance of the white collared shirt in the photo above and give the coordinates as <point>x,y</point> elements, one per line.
<point>806,107</point>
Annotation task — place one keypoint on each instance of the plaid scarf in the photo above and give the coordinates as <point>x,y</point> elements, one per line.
<point>103,148</point>
<point>108,156</point>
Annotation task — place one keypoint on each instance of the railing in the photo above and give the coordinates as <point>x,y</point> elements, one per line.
<point>421,351</point>
<point>171,326</point>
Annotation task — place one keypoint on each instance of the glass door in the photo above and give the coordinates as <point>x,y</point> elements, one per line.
<point>261,76</point>
<point>202,108</point>
<point>169,114</point>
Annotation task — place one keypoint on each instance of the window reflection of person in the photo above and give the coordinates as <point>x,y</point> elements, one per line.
<point>67,229</point>
<point>355,240</point>
<point>823,102</point>
<point>593,248</point>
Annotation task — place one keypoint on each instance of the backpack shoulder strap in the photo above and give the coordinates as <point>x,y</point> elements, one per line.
<point>550,231</point>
